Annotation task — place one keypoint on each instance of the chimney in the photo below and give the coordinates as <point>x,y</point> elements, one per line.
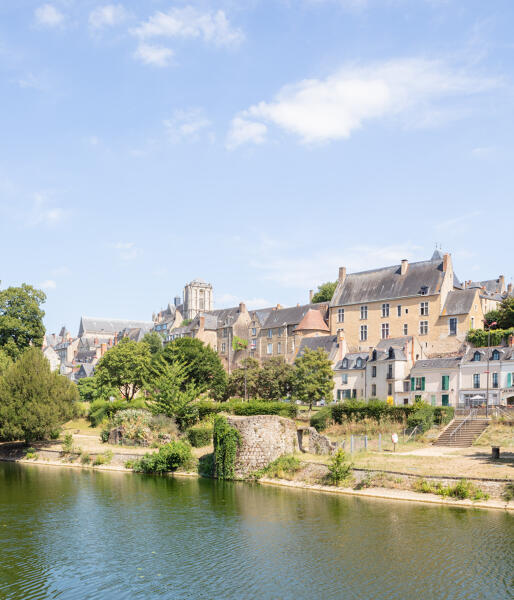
<point>242,307</point>
<point>501,279</point>
<point>279,306</point>
<point>404,266</point>
<point>342,348</point>
<point>342,274</point>
<point>311,294</point>
<point>103,349</point>
<point>446,262</point>
<point>202,321</point>
<point>509,288</point>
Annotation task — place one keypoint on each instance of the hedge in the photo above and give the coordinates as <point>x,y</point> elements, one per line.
<point>237,407</point>
<point>199,436</point>
<point>480,337</point>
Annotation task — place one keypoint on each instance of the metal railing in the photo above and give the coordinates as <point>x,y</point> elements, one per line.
<point>461,427</point>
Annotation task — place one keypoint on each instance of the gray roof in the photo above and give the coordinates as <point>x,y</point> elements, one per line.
<point>490,285</point>
<point>452,362</point>
<point>112,326</point>
<point>387,283</point>
<point>326,342</point>
<point>392,353</point>
<point>398,342</point>
<point>352,361</point>
<point>459,302</point>
<point>292,316</point>
<point>506,353</point>
<point>261,314</point>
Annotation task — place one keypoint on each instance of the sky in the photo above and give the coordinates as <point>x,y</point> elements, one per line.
<point>255,144</point>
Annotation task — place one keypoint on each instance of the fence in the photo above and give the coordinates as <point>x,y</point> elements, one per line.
<point>379,443</point>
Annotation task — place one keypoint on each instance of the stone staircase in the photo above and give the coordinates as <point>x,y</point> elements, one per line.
<point>466,434</point>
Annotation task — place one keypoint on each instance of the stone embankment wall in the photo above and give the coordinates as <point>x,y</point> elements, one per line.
<point>263,439</point>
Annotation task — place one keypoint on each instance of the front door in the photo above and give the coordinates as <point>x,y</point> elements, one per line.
<point>445,400</point>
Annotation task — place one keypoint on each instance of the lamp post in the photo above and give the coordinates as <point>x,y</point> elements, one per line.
<point>489,325</point>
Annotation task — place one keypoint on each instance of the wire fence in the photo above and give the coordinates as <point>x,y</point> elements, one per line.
<point>380,442</point>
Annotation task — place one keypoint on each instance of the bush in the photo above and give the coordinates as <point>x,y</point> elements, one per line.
<point>169,458</point>
<point>245,409</point>
<point>443,414</point>
<point>103,459</point>
<point>480,337</point>
<point>67,445</point>
<point>422,416</point>
<point>358,410</point>
<point>226,442</point>
<point>339,470</point>
<point>283,467</point>
<point>462,490</point>
<point>200,436</point>
<point>321,418</point>
<point>31,454</point>
<point>105,409</point>
<point>206,465</point>
<point>508,492</point>
<point>85,459</point>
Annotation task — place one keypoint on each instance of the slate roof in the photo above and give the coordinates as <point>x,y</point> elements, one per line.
<point>387,283</point>
<point>459,302</point>
<point>506,353</point>
<point>491,286</point>
<point>398,342</point>
<point>327,342</point>
<point>452,362</point>
<point>352,360</point>
<point>95,325</point>
<point>261,314</point>
<point>293,315</point>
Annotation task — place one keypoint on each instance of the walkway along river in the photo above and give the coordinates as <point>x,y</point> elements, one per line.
<point>67,533</point>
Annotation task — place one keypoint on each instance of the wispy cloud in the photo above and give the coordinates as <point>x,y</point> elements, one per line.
<point>34,82</point>
<point>458,224</point>
<point>109,15</point>
<point>47,284</point>
<point>186,124</point>
<point>227,300</point>
<point>157,56</point>
<point>126,250</point>
<point>483,151</point>
<point>43,212</point>
<point>47,15</point>
<point>418,92</point>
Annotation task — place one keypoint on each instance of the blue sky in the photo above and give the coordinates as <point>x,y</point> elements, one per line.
<point>255,144</point>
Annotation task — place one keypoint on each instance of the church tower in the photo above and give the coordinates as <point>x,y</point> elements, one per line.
<point>197,298</point>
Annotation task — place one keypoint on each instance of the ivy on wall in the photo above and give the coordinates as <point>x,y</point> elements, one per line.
<point>226,442</point>
<point>480,337</point>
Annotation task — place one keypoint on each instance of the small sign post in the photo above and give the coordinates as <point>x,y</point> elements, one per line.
<point>394,439</point>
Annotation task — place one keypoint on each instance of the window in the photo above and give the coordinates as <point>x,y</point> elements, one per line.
<point>389,389</point>
<point>270,333</point>
<point>269,349</point>
<point>223,347</point>
<point>452,324</point>
<point>423,327</point>
<point>340,315</point>
<point>445,382</point>
<point>472,322</point>
<point>225,332</point>
<point>399,310</point>
<point>477,357</point>
<point>405,329</point>
<point>344,378</point>
<point>385,330</point>
<point>345,363</point>
<point>279,348</point>
<point>292,345</point>
<point>354,393</point>
<point>405,401</point>
<point>423,308</point>
<point>424,290</point>
<point>389,371</point>
<point>358,363</point>
<point>418,384</point>
<point>406,386</point>
<point>385,310</point>
<point>495,380</point>
<point>476,380</point>
<point>364,312</point>
<point>496,355</point>
<point>254,331</point>
<point>280,332</point>
<point>373,371</point>
<point>373,389</point>
<point>364,333</point>
<point>253,344</point>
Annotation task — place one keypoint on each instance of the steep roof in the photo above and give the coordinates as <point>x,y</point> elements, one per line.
<point>452,362</point>
<point>326,342</point>
<point>352,357</point>
<point>506,353</point>
<point>388,283</point>
<point>261,314</point>
<point>399,342</point>
<point>491,286</point>
<point>459,302</point>
<point>112,326</point>
<point>312,321</point>
<point>292,316</point>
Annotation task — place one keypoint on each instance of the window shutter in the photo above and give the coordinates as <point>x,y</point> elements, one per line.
<point>412,384</point>
<point>422,384</point>
<point>509,380</point>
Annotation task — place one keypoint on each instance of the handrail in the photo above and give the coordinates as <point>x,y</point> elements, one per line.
<point>472,413</point>
<point>499,410</point>
<point>411,434</point>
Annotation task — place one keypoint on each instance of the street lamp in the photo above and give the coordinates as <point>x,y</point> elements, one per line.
<point>489,325</point>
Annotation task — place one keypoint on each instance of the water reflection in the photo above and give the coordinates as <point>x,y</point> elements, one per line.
<point>84,534</point>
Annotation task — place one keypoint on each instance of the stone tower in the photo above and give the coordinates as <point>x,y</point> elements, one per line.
<point>197,298</point>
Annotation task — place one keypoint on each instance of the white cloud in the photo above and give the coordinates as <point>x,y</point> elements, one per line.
<point>228,300</point>
<point>31,81</point>
<point>243,131</point>
<point>186,124</point>
<point>126,250</point>
<point>158,56</point>
<point>323,110</point>
<point>43,213</point>
<point>458,224</point>
<point>109,15</point>
<point>48,284</point>
<point>482,152</point>
<point>189,22</point>
<point>48,16</point>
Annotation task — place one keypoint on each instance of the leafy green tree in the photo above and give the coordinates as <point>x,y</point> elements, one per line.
<point>239,344</point>
<point>204,367</point>
<point>325,292</point>
<point>21,319</point>
<point>34,402</point>
<point>125,367</point>
<point>275,379</point>
<point>313,378</point>
<point>170,393</point>
<point>88,389</point>
<point>506,313</point>
<point>154,341</point>
<point>5,361</point>
<point>244,377</point>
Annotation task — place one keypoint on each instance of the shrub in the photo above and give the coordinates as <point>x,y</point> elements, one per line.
<point>104,409</point>
<point>462,490</point>
<point>283,467</point>
<point>508,492</point>
<point>244,409</point>
<point>67,445</point>
<point>136,425</point>
<point>320,419</point>
<point>200,436</point>
<point>422,416</point>
<point>207,408</point>
<point>85,459</point>
<point>169,458</point>
<point>206,465</point>
<point>226,442</point>
<point>443,414</point>
<point>31,454</point>
<point>358,410</point>
<point>339,470</point>
<point>103,459</point>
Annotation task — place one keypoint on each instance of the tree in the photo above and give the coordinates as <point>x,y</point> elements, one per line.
<point>313,378</point>
<point>506,313</point>
<point>325,292</point>
<point>34,402</point>
<point>204,367</point>
<point>275,379</point>
<point>21,319</point>
<point>126,367</point>
<point>154,341</point>
<point>5,361</point>
<point>239,344</point>
<point>244,377</point>
<point>169,393</point>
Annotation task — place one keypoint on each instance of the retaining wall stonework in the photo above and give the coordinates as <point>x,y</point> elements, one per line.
<point>263,439</point>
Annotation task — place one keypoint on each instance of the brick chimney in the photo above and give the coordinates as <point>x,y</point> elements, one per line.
<point>446,262</point>
<point>501,280</point>
<point>311,294</point>
<point>103,349</point>
<point>342,347</point>
<point>509,288</point>
<point>342,274</point>
<point>201,322</point>
<point>404,266</point>
<point>242,307</point>
<point>279,306</point>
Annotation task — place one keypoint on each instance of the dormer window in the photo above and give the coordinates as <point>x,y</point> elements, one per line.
<point>496,355</point>
<point>423,291</point>
<point>345,363</point>
<point>477,357</point>
<point>374,355</point>
<point>359,363</point>
<point>391,353</point>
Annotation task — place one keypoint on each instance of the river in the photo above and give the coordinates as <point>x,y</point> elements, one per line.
<point>70,533</point>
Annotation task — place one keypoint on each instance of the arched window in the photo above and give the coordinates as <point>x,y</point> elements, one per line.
<point>477,357</point>
<point>391,353</point>
<point>374,355</point>
<point>359,363</point>
<point>345,363</point>
<point>496,355</point>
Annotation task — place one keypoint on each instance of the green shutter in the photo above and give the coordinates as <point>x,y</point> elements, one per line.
<point>509,379</point>
<point>412,384</point>
<point>422,384</point>
<point>446,382</point>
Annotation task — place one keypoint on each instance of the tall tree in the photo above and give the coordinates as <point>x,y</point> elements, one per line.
<point>154,341</point>
<point>275,379</point>
<point>126,367</point>
<point>244,378</point>
<point>325,292</point>
<point>34,402</point>
<point>5,361</point>
<point>203,364</point>
<point>21,319</point>
<point>313,378</point>
<point>506,313</point>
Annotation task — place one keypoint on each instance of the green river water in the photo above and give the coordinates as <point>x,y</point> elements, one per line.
<point>67,533</point>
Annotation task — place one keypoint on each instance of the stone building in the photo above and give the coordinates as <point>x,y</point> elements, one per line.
<point>198,298</point>
<point>436,381</point>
